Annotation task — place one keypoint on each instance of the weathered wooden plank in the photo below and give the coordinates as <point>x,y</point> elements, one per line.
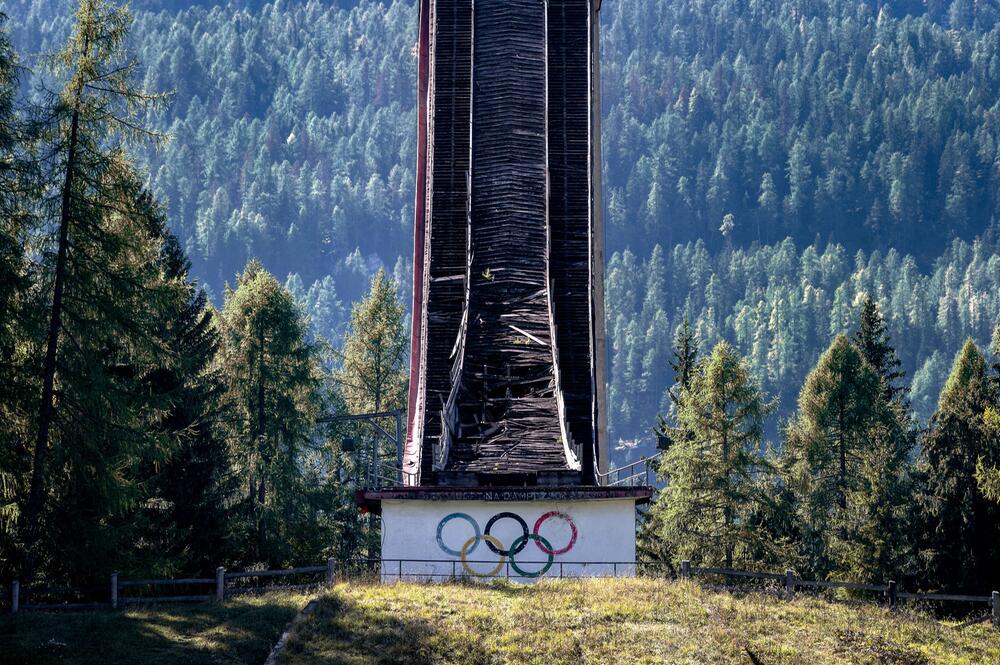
<point>180,580</point>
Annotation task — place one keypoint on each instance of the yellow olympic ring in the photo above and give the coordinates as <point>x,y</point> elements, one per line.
<point>490,539</point>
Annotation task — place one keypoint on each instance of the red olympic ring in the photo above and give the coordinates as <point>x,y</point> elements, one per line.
<point>566,518</point>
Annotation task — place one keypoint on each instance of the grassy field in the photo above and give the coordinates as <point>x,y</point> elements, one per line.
<point>618,621</point>
<point>241,630</point>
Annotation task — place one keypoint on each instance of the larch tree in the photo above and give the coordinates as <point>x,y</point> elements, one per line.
<point>715,469</point>
<point>15,384</point>
<point>273,397</point>
<point>962,525</point>
<point>373,372</point>
<point>104,291</point>
<point>372,378</point>
<point>845,458</point>
<point>987,475</point>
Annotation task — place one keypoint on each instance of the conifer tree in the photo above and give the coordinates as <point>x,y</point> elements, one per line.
<point>15,386</point>
<point>873,341</point>
<point>273,398</point>
<point>988,476</point>
<point>714,469</point>
<point>194,489</point>
<point>962,525</point>
<point>846,456</point>
<point>684,363</point>
<point>372,376</point>
<point>685,359</point>
<point>103,293</point>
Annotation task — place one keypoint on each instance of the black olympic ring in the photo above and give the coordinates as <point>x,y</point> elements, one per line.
<point>523,541</point>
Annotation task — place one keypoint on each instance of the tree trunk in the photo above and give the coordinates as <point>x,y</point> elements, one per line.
<point>261,487</point>
<point>728,510</point>
<point>46,409</point>
<point>842,484</point>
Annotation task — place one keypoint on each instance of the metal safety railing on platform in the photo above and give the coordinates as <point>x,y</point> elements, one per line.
<point>641,473</point>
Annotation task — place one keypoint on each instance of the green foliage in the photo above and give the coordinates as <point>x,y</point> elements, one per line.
<point>373,371</point>
<point>781,306</point>
<point>962,525</point>
<point>372,378</point>
<point>846,456</point>
<point>835,120</point>
<point>715,471</point>
<point>873,342</point>
<point>685,360</point>
<point>273,397</point>
<point>189,494</point>
<point>16,389</point>
<point>103,293</point>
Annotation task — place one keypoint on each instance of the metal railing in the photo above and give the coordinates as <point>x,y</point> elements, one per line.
<point>640,473</point>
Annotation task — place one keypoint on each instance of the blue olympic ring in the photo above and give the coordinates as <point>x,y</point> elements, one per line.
<point>475,526</point>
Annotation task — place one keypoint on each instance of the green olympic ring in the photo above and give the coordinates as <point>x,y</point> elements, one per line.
<point>465,550</point>
<point>538,541</point>
<point>476,538</point>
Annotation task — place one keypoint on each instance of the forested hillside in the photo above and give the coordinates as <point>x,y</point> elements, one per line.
<point>844,126</point>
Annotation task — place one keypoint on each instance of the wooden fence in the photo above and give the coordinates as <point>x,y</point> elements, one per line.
<point>224,584</point>
<point>123,592</point>
<point>889,589</point>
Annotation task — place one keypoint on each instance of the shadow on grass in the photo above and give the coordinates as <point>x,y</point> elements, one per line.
<point>342,632</point>
<point>236,632</point>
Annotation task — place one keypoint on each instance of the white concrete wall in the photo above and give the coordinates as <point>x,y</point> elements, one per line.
<point>411,548</point>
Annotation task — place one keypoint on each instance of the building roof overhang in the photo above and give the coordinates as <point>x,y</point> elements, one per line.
<point>371,500</point>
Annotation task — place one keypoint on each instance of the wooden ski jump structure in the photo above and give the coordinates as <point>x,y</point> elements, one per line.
<point>508,351</point>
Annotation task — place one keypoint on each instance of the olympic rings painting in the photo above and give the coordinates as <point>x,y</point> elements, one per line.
<point>516,547</point>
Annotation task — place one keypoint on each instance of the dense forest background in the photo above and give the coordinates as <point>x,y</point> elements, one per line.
<point>767,164</point>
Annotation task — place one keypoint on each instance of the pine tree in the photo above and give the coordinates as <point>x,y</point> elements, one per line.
<point>104,292</point>
<point>273,398</point>
<point>962,526</point>
<point>193,489</point>
<point>713,470</point>
<point>685,359</point>
<point>873,341</point>
<point>684,364</point>
<point>845,456</point>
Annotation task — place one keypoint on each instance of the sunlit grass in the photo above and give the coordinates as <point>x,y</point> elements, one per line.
<point>241,630</point>
<point>618,621</point>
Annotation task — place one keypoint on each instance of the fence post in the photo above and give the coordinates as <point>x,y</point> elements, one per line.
<point>996,609</point>
<point>685,569</point>
<point>789,583</point>
<point>331,571</point>
<point>15,597</point>
<point>220,584</point>
<point>891,591</point>
<point>114,591</point>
